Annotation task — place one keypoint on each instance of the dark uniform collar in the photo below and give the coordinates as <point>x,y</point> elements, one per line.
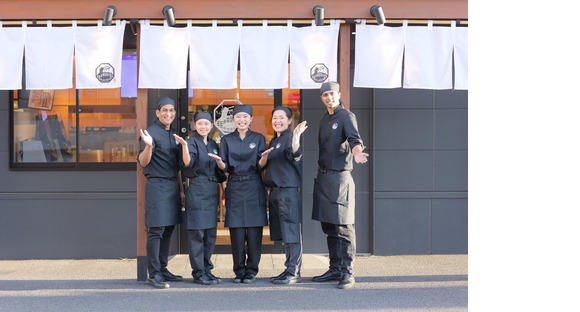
<point>159,124</point>
<point>283,132</point>
<point>338,108</point>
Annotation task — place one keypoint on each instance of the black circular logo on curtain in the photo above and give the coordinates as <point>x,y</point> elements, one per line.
<point>105,72</point>
<point>319,72</point>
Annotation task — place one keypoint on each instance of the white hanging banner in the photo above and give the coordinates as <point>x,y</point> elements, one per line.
<point>213,57</point>
<point>98,54</point>
<point>379,56</point>
<point>264,57</point>
<point>163,56</point>
<point>49,55</point>
<point>460,57</point>
<point>313,55</point>
<point>428,57</point>
<point>11,53</point>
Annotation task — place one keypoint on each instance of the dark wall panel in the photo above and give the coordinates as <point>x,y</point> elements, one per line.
<point>404,129</point>
<point>402,226</point>
<point>397,171</point>
<point>449,219</point>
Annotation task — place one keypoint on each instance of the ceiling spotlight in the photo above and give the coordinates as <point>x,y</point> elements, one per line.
<point>377,12</point>
<point>110,11</point>
<point>318,12</point>
<point>169,14</point>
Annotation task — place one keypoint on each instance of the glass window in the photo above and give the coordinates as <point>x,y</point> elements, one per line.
<point>79,129</point>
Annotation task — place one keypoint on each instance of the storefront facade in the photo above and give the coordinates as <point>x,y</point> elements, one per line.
<point>70,187</point>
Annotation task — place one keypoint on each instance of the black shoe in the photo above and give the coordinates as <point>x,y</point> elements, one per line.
<point>238,279</point>
<point>204,280</point>
<point>328,276</point>
<point>213,277</point>
<point>346,281</point>
<point>249,278</point>
<point>277,277</point>
<point>288,279</point>
<point>168,276</point>
<point>158,282</point>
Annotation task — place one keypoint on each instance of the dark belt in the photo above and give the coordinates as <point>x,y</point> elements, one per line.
<point>210,178</point>
<point>160,178</point>
<point>239,177</point>
<point>322,170</point>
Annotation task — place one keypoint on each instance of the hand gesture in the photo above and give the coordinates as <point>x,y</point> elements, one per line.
<point>179,139</point>
<point>214,156</point>
<point>266,152</point>
<point>361,158</point>
<point>147,139</point>
<point>300,128</point>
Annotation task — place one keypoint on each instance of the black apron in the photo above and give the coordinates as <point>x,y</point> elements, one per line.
<point>245,201</point>
<point>285,215</point>
<point>162,202</point>
<point>202,200</point>
<point>334,199</point>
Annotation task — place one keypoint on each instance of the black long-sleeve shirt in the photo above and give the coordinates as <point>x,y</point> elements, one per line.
<point>337,135</point>
<point>284,168</point>
<point>166,152</point>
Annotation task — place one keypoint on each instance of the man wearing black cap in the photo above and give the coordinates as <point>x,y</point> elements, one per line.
<point>159,156</point>
<point>339,144</point>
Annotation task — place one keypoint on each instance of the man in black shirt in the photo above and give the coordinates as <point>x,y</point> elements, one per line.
<point>159,156</point>
<point>339,144</point>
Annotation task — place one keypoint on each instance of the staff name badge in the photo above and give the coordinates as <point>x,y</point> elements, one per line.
<point>334,126</point>
<point>252,145</point>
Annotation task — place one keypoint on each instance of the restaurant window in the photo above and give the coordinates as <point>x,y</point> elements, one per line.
<point>77,128</point>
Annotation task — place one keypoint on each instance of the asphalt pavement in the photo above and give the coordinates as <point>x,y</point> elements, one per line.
<point>393,283</point>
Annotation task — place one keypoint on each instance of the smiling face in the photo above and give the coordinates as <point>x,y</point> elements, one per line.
<point>242,121</point>
<point>203,127</point>
<point>280,121</point>
<point>331,100</point>
<point>166,114</point>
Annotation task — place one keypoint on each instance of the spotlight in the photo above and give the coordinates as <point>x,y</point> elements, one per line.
<point>169,14</point>
<point>377,12</point>
<point>318,12</point>
<point>110,11</point>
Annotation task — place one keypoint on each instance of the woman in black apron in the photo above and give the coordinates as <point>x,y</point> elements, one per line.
<point>284,178</point>
<point>241,153</point>
<point>201,198</point>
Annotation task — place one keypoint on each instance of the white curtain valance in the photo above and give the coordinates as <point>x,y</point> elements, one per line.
<point>460,57</point>
<point>98,54</point>
<point>163,63</point>
<point>313,55</point>
<point>11,53</point>
<point>49,53</point>
<point>213,57</point>
<point>428,57</point>
<point>264,57</point>
<point>378,56</point>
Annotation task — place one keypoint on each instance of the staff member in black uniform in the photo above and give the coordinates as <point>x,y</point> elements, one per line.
<point>284,177</point>
<point>159,156</point>
<point>334,191</point>
<point>201,198</point>
<point>241,157</point>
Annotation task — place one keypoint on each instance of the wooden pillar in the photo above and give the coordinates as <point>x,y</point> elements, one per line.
<point>142,107</point>
<point>344,63</point>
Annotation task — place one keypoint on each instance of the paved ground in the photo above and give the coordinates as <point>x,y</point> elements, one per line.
<point>396,283</point>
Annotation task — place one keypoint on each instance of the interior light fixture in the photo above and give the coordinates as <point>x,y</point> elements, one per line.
<point>377,12</point>
<point>110,11</point>
<point>169,13</point>
<point>318,12</point>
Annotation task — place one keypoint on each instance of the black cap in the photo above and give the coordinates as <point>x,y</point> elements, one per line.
<point>287,110</point>
<point>329,86</point>
<point>242,108</point>
<point>164,100</point>
<point>202,115</point>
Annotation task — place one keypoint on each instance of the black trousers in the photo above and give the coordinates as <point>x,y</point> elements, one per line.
<point>253,237</point>
<point>341,241</point>
<point>201,247</point>
<point>158,239</point>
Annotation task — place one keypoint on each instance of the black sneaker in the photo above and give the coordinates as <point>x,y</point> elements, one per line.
<point>327,276</point>
<point>213,277</point>
<point>346,281</point>
<point>288,279</point>
<point>168,276</point>
<point>204,280</point>
<point>158,282</point>
<point>277,277</point>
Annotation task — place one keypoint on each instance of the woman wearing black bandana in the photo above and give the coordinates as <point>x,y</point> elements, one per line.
<point>241,157</point>
<point>284,178</point>
<point>201,197</point>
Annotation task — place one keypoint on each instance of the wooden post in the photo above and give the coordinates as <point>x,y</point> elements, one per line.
<point>142,107</point>
<point>344,63</point>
